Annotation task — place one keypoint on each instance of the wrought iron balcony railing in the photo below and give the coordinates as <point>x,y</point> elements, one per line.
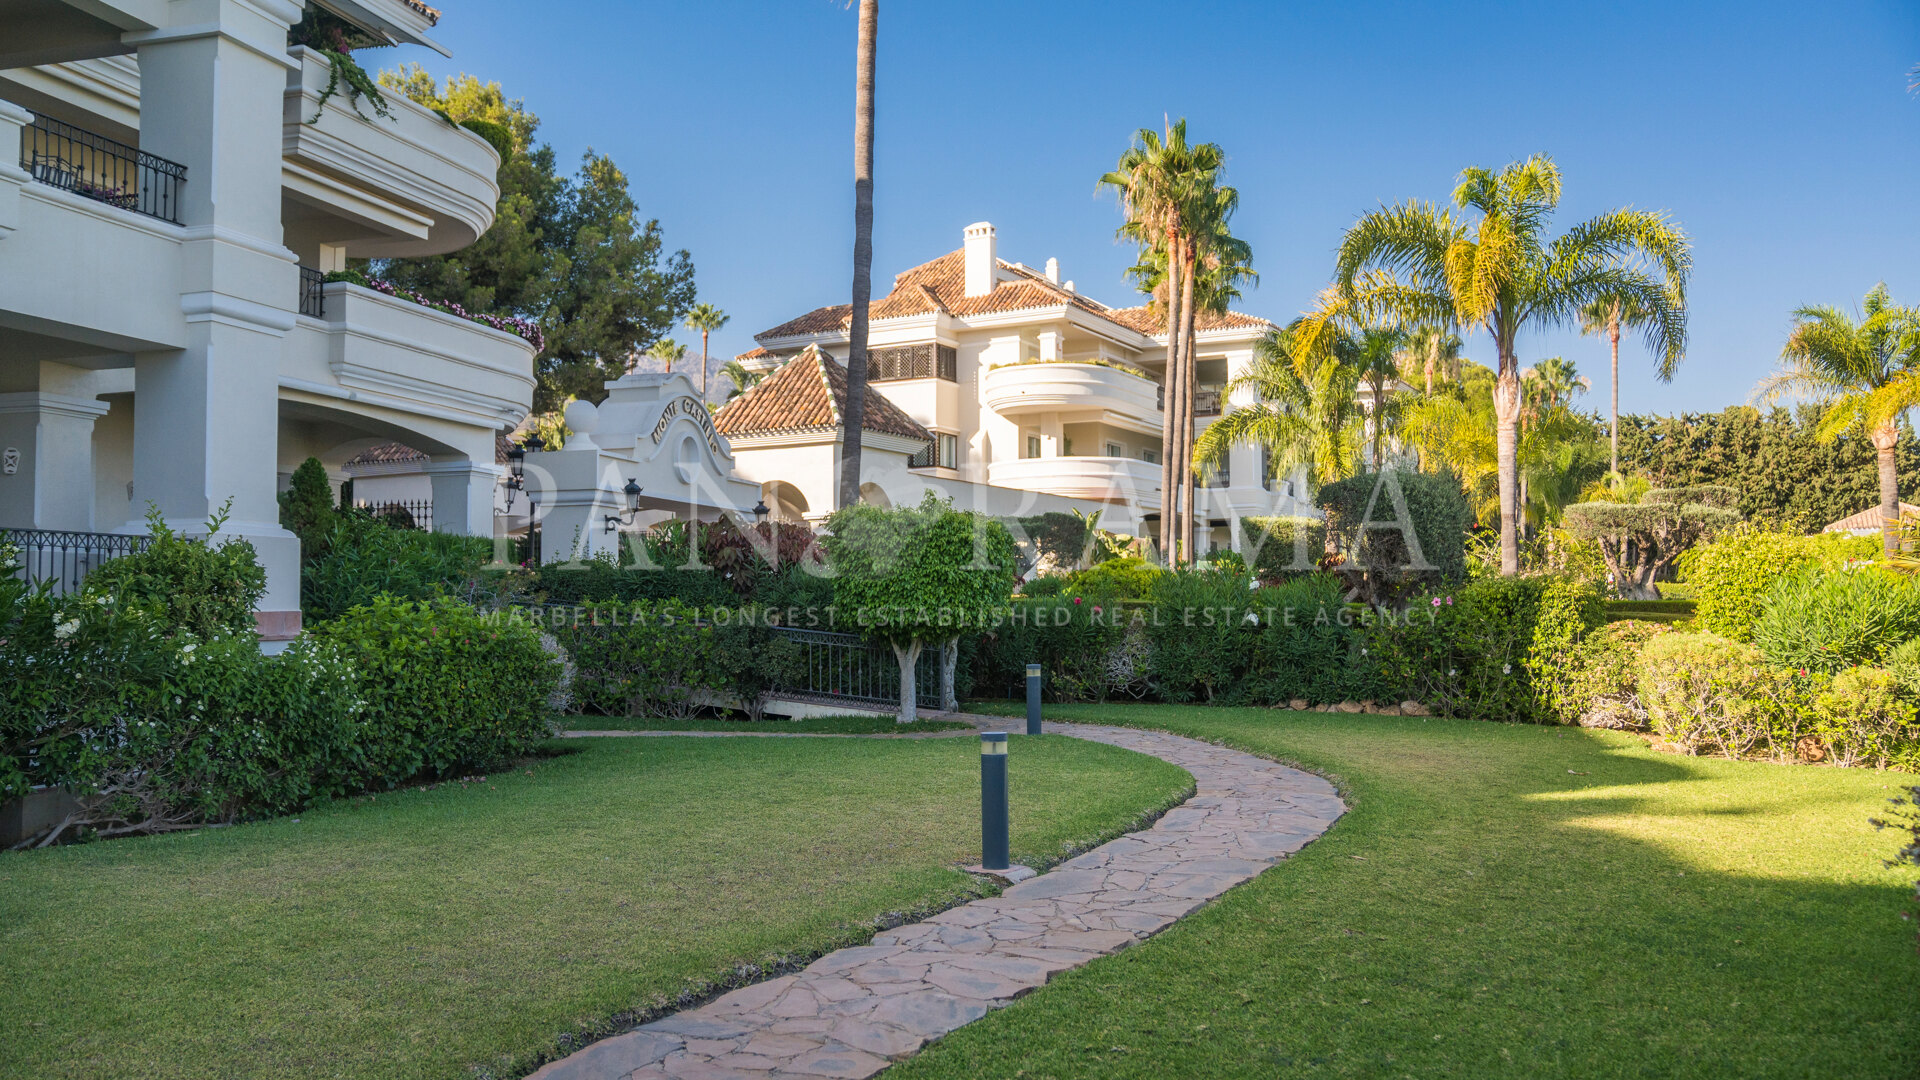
<point>96,167</point>
<point>64,558</point>
<point>313,300</point>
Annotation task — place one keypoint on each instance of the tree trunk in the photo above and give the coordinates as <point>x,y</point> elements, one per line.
<point>1506,407</point>
<point>704,360</point>
<point>949,660</point>
<point>862,256</point>
<point>1170,414</point>
<point>1613,428</point>
<point>909,657</point>
<point>1885,441</point>
<point>1187,362</point>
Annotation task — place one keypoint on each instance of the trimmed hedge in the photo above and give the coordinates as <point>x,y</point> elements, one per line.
<point>1365,518</point>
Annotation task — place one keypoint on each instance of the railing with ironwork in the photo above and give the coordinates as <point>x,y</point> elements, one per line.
<point>64,558</point>
<point>313,297</point>
<point>847,667</point>
<point>96,167</point>
<point>401,513</point>
<point>1207,400</point>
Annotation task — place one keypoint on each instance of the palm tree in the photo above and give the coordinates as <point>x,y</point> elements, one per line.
<point>668,350</point>
<point>1863,374</point>
<point>705,318</point>
<point>1306,412</point>
<point>1375,358</point>
<point>1431,351</point>
<point>1556,381</point>
<point>1609,315</point>
<point>1499,271</point>
<point>743,380</point>
<point>854,419</point>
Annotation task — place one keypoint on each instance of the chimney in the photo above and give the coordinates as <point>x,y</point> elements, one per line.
<point>1053,271</point>
<point>980,258</point>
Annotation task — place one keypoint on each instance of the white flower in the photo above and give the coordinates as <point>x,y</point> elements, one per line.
<point>1451,672</point>
<point>1506,669</point>
<point>66,629</point>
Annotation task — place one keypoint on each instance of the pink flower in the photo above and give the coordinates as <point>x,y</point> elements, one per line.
<point>1436,601</point>
<point>1449,601</point>
<point>1096,609</point>
<point>1076,600</point>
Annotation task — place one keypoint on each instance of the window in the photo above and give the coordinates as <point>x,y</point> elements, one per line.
<point>927,361</point>
<point>1114,449</point>
<point>1033,446</point>
<point>1151,457</point>
<point>949,450</point>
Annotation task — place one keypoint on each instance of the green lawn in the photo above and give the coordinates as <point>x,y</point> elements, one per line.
<point>820,725</point>
<point>1505,901</point>
<point>419,933</point>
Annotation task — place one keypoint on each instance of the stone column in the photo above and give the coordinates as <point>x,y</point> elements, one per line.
<point>206,424</point>
<point>46,482</point>
<point>462,496</point>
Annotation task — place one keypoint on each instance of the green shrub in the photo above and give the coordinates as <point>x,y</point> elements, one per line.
<point>665,659</point>
<point>1062,539</point>
<point>1363,515</point>
<point>1129,578</point>
<point>1706,693</point>
<point>1072,638</point>
<point>1866,717</point>
<point>445,688</point>
<point>1483,651</point>
<point>361,557</point>
<point>1827,621</point>
<point>1596,684</point>
<point>1308,643</point>
<point>1904,663</point>
<point>1200,634</point>
<point>307,507</point>
<point>1732,576</point>
<point>1284,547</point>
<point>607,578</point>
<point>1046,585</point>
<point>192,588</point>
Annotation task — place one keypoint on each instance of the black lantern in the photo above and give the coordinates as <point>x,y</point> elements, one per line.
<point>760,512</point>
<point>632,492</point>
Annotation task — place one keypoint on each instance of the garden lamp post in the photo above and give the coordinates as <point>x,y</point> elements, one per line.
<point>760,512</point>
<point>994,854</point>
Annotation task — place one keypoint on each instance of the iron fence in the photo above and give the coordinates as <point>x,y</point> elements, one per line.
<point>313,297</point>
<point>847,667</point>
<point>401,513</point>
<point>96,167</point>
<point>65,558</point>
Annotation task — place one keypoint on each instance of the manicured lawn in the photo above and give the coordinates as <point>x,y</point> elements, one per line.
<point>819,725</point>
<point>1505,901</point>
<point>419,933</point>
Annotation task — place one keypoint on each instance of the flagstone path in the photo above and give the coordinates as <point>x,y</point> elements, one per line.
<point>852,1012</point>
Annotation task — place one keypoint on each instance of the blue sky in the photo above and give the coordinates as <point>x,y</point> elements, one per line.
<point>1782,136</point>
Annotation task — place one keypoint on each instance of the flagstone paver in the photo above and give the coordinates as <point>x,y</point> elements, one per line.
<point>851,1012</point>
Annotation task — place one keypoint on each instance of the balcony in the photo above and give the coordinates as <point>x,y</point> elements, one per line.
<point>313,296</point>
<point>98,168</point>
<point>1044,387</point>
<point>413,183</point>
<point>1120,479</point>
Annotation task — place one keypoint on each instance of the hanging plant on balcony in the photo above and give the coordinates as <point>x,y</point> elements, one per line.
<point>335,38</point>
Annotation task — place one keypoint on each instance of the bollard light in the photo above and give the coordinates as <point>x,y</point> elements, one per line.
<point>994,854</point>
<point>1033,699</point>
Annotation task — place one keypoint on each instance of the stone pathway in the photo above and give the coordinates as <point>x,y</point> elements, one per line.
<point>850,1013</point>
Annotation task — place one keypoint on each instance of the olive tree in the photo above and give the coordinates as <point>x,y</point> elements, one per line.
<point>917,576</point>
<point>1639,540</point>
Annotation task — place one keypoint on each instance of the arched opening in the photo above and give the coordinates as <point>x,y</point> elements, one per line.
<point>786,502</point>
<point>872,495</point>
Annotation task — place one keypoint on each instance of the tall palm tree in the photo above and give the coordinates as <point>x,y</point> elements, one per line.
<point>1375,358</point>
<point>854,419</point>
<point>1306,411</point>
<point>1864,374</point>
<point>1609,315</point>
<point>667,350</point>
<point>1497,270</point>
<point>705,318</point>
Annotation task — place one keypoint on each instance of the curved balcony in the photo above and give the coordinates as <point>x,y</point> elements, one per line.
<point>1115,479</point>
<point>421,185</point>
<point>1070,387</point>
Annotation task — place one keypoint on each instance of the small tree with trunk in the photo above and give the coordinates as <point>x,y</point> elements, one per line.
<point>1640,540</point>
<point>917,576</point>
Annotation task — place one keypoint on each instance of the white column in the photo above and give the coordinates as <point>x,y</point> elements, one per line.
<point>50,485</point>
<point>463,496</point>
<point>206,419</point>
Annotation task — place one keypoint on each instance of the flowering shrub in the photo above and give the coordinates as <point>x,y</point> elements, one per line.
<point>512,324</point>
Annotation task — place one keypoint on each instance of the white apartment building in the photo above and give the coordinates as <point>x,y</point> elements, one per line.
<point>172,189</point>
<point>1021,382</point>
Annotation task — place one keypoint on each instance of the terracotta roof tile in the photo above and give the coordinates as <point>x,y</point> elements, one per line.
<point>809,393</point>
<point>386,453</point>
<point>940,285</point>
<point>755,353</point>
<point>1868,519</point>
<point>1147,320</point>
